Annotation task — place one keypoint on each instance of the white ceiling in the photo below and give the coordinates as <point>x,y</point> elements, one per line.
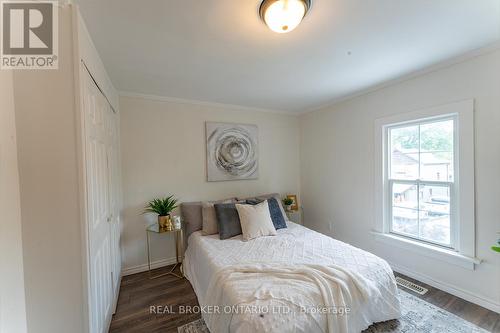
<point>219,50</point>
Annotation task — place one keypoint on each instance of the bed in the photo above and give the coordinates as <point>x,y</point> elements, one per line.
<point>206,256</point>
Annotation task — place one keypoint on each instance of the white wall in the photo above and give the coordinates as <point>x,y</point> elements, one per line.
<point>337,170</point>
<point>12,303</point>
<point>48,174</point>
<point>163,152</point>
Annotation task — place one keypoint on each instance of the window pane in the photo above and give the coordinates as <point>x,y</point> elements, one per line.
<point>404,195</point>
<point>437,136</point>
<point>422,153</point>
<point>436,166</point>
<point>404,151</point>
<point>435,213</point>
<point>436,229</point>
<point>436,151</point>
<point>405,209</point>
<point>405,221</point>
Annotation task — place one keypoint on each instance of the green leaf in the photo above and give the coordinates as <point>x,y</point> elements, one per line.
<point>162,206</point>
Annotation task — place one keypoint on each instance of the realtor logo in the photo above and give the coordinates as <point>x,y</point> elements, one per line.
<point>29,35</point>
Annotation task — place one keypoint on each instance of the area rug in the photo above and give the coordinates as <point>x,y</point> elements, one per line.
<point>418,316</point>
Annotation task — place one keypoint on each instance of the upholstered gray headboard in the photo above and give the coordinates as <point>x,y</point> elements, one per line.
<point>191,217</point>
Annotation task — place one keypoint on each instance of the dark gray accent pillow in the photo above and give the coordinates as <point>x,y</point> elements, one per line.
<point>268,196</point>
<point>228,220</point>
<point>274,210</point>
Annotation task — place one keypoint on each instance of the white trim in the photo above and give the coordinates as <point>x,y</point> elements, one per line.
<point>464,170</point>
<point>428,250</point>
<point>203,103</point>
<point>412,75</point>
<point>82,173</point>
<point>487,303</point>
<point>144,267</point>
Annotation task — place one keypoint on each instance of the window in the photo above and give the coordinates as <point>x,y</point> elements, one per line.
<point>424,182</point>
<point>421,179</point>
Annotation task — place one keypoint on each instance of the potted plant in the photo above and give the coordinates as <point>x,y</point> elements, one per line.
<point>496,247</point>
<point>163,207</point>
<point>288,204</point>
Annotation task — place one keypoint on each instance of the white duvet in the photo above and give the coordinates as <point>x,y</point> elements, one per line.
<point>297,281</point>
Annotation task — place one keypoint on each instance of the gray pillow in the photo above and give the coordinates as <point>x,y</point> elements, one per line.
<point>209,217</point>
<point>192,216</point>
<point>228,220</point>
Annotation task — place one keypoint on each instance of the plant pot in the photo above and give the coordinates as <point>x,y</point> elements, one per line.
<point>288,208</point>
<point>165,223</point>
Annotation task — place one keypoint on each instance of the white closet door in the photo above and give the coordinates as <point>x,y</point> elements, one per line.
<point>114,189</point>
<point>97,123</point>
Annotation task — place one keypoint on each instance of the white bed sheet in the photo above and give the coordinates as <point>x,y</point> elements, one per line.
<point>296,244</point>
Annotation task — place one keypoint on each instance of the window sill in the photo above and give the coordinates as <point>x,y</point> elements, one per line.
<point>428,250</point>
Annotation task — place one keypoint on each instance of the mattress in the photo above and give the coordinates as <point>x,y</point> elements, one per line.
<point>296,244</point>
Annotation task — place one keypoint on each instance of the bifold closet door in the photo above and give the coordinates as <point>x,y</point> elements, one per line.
<point>97,143</point>
<point>114,198</point>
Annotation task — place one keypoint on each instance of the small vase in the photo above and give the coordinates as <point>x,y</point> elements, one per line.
<point>288,208</point>
<point>164,222</point>
<point>176,222</point>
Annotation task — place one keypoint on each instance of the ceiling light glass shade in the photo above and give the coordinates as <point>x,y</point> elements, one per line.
<point>283,16</point>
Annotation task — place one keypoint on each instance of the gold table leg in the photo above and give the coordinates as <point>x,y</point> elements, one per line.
<point>178,239</point>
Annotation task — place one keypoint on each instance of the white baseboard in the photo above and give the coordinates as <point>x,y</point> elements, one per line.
<point>117,294</point>
<point>144,267</point>
<point>466,295</point>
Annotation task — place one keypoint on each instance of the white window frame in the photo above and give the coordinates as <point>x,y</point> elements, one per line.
<point>462,251</point>
<point>452,185</point>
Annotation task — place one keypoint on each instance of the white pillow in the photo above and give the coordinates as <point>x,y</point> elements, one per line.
<point>255,220</point>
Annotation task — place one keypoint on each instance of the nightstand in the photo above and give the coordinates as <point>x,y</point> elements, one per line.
<point>295,216</point>
<point>179,248</point>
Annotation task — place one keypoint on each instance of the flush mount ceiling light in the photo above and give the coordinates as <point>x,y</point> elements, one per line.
<point>283,16</point>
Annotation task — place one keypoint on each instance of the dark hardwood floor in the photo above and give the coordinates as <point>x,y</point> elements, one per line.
<point>138,294</point>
